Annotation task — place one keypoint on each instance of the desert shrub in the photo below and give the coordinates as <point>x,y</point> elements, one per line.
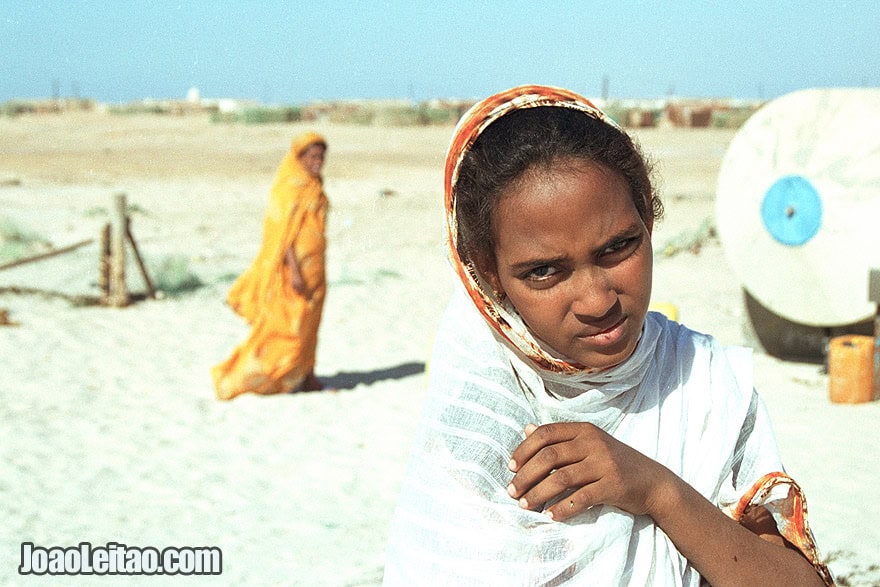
<point>398,116</point>
<point>615,112</point>
<point>731,118</point>
<point>222,117</point>
<point>260,115</point>
<point>102,211</point>
<point>16,108</point>
<point>690,240</point>
<point>351,116</point>
<point>138,108</point>
<point>135,208</point>
<point>174,277</point>
<point>264,115</point>
<point>417,115</point>
<point>16,243</point>
<point>439,115</point>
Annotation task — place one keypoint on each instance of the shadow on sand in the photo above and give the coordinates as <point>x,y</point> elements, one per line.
<point>351,379</point>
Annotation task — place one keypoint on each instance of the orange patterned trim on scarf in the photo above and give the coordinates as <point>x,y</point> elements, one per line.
<point>469,128</point>
<point>790,514</point>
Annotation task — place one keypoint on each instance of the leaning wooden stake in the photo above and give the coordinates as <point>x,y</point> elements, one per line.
<point>118,289</point>
<point>151,291</point>
<point>47,254</point>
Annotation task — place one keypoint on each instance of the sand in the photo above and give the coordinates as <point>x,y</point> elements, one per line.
<point>111,432</point>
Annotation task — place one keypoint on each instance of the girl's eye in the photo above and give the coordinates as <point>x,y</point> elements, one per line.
<point>620,245</point>
<point>541,273</point>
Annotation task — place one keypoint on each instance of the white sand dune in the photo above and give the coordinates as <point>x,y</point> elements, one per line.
<point>111,432</point>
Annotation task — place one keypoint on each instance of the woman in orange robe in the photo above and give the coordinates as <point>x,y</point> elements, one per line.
<point>281,294</point>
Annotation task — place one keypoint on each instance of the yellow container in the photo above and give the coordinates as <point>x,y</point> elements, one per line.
<point>851,369</point>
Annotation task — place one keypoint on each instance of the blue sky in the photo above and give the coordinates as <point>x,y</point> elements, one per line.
<point>293,52</point>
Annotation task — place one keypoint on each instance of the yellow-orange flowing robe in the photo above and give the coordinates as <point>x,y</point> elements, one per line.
<point>280,350</point>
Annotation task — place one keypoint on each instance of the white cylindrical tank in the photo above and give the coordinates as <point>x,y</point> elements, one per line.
<point>798,205</point>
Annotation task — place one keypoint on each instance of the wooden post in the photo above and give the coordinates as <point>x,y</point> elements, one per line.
<point>874,296</point>
<point>118,289</point>
<point>104,265</point>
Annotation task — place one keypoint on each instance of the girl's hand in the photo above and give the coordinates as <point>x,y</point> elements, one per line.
<point>587,466</point>
<point>581,466</point>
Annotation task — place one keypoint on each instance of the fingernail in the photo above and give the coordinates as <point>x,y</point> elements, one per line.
<point>511,490</point>
<point>549,514</point>
<point>523,503</point>
<point>511,464</point>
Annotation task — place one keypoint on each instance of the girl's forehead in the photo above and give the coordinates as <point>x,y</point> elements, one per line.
<point>539,176</point>
<point>565,200</point>
<point>575,176</point>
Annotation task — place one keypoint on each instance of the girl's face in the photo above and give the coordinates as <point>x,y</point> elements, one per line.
<point>574,257</point>
<point>313,159</point>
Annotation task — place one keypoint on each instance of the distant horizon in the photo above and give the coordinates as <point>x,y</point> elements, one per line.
<point>116,52</point>
<point>184,98</point>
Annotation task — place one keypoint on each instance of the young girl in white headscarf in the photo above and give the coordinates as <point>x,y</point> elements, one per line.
<point>570,436</point>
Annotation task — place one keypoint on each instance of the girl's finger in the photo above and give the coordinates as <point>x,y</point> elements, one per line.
<point>571,505</point>
<point>553,471</point>
<point>538,437</point>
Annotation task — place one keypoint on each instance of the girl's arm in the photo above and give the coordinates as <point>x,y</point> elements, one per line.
<point>588,466</point>
<point>722,550</point>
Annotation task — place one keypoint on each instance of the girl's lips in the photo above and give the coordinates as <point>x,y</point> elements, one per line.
<point>609,336</point>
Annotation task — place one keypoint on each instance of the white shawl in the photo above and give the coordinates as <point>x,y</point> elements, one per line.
<point>681,399</point>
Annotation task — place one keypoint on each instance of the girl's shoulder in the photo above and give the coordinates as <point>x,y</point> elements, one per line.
<point>683,337</point>
<point>699,352</point>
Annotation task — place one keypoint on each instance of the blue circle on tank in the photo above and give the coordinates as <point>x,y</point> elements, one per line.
<point>792,210</point>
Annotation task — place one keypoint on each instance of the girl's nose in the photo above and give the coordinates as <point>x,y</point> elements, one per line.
<point>592,294</point>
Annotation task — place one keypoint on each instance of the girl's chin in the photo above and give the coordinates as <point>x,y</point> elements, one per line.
<point>603,363</point>
<point>601,360</point>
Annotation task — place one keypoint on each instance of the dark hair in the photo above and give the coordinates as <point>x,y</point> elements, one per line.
<point>540,137</point>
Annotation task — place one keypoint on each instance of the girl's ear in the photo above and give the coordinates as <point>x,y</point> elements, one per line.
<point>486,267</point>
<point>497,289</point>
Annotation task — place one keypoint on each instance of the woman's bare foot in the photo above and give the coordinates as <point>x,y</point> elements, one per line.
<point>311,383</point>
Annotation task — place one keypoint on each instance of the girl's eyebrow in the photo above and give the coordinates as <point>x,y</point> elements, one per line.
<point>631,231</point>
